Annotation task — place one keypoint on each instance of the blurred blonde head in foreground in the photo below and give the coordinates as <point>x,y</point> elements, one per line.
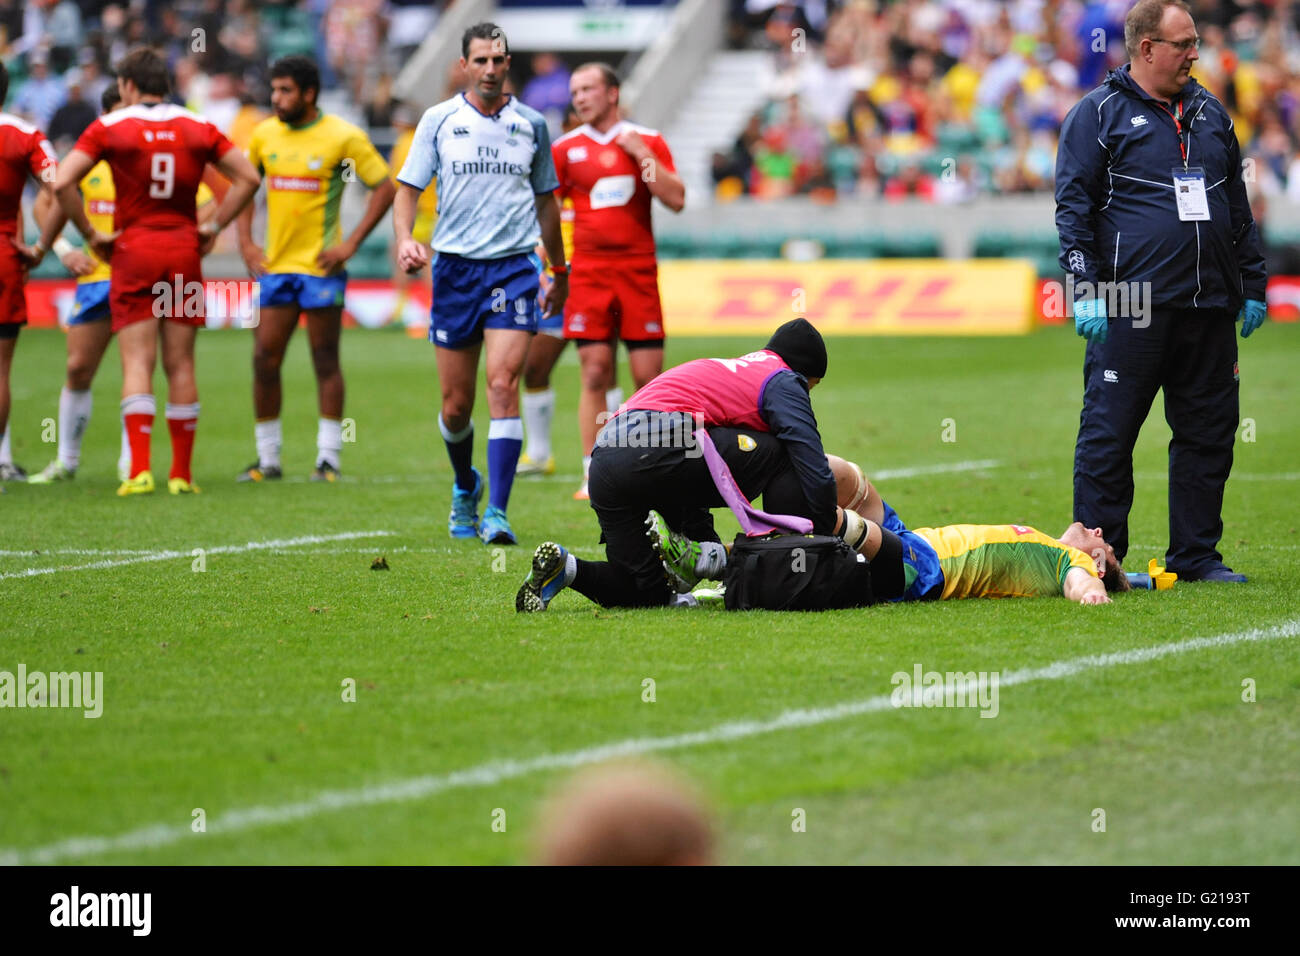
<point>625,814</point>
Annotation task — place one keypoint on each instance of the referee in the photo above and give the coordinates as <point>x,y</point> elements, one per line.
<point>1150,204</point>
<point>492,157</point>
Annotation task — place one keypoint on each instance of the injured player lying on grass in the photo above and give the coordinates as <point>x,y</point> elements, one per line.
<point>954,561</point>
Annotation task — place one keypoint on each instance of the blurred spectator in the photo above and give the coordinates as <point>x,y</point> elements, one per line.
<point>42,93</point>
<point>632,813</point>
<point>352,32</point>
<point>93,80</point>
<point>71,119</point>
<point>379,108</point>
<point>548,90</point>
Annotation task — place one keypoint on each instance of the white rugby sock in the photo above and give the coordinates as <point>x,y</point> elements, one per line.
<point>267,436</point>
<point>124,453</point>
<point>613,399</point>
<point>586,467</point>
<point>329,441</point>
<point>712,560</point>
<point>74,416</point>
<point>538,409</point>
<point>6,456</point>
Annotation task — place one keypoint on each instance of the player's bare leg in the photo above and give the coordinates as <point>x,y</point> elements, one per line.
<point>182,402</point>
<point>323,332</point>
<point>87,344</point>
<point>597,371</point>
<point>138,344</point>
<point>853,491</point>
<point>270,341</point>
<point>539,403</point>
<point>457,377</point>
<point>645,363</point>
<point>505,349</point>
<point>7,346</point>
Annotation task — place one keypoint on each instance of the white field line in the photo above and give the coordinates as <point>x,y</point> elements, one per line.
<point>220,549</point>
<point>496,771</point>
<point>887,473</point>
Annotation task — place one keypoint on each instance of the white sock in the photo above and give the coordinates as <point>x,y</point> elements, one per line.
<point>74,416</point>
<point>6,456</point>
<point>586,466</point>
<point>712,560</point>
<point>570,569</point>
<point>613,399</point>
<point>267,436</point>
<point>538,409</point>
<point>329,441</point>
<point>124,454</point>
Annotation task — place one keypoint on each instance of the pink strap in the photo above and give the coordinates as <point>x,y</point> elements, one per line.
<point>753,522</point>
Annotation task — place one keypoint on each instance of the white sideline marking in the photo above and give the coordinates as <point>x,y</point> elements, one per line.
<point>220,549</point>
<point>887,473</point>
<point>495,771</point>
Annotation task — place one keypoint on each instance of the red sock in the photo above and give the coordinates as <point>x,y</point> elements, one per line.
<point>182,432</point>
<point>138,433</point>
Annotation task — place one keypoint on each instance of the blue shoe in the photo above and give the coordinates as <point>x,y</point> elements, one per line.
<point>463,521</point>
<point>495,528</point>
<point>545,580</point>
<point>1221,574</point>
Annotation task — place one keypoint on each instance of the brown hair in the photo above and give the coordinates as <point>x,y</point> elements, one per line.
<point>1144,20</point>
<point>147,70</point>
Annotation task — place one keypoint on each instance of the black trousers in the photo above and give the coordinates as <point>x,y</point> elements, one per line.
<point>1192,356</point>
<point>629,477</point>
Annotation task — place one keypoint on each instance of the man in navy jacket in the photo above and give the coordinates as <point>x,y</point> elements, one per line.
<point>1159,242</point>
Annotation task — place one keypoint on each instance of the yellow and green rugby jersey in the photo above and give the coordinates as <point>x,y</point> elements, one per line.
<point>1002,560</point>
<point>305,168</point>
<point>426,210</point>
<point>100,200</point>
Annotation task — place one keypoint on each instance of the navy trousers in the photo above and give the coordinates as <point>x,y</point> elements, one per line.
<point>1191,355</point>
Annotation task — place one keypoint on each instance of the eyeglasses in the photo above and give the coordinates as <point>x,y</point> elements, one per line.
<point>1182,46</point>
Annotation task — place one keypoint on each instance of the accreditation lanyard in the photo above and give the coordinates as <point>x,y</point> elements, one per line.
<point>1177,117</point>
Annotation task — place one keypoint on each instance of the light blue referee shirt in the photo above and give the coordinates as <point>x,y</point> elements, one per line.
<point>489,169</point>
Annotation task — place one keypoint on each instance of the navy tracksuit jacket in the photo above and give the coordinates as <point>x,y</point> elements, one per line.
<point>1185,284</point>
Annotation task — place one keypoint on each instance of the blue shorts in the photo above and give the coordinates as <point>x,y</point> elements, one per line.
<point>304,291</point>
<point>91,303</point>
<point>470,295</point>
<point>921,568</point>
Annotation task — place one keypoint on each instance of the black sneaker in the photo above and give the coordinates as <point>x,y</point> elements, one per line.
<point>325,472</point>
<point>255,472</point>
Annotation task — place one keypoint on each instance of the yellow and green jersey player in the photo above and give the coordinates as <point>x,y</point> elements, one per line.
<point>88,326</point>
<point>306,158</point>
<point>970,560</point>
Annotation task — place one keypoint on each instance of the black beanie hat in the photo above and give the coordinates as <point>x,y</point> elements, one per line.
<point>801,345</point>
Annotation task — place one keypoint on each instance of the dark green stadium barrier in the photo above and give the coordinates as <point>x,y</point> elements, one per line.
<point>1042,248</point>
<point>730,245</point>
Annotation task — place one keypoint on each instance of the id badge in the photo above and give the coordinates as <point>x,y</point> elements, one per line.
<point>1189,193</point>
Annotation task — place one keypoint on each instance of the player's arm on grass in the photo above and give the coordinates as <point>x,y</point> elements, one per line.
<point>373,171</point>
<point>656,170</point>
<point>548,217</point>
<point>244,180</point>
<point>1083,588</point>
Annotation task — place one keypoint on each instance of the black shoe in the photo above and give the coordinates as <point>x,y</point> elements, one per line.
<point>325,472</point>
<point>1220,574</point>
<point>255,472</point>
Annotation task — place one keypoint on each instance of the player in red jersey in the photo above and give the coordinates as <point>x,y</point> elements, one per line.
<point>24,151</point>
<point>157,153</point>
<point>612,170</point>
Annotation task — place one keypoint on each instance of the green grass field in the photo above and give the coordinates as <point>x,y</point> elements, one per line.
<point>223,686</point>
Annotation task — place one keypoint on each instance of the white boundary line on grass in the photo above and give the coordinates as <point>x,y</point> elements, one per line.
<point>220,549</point>
<point>495,771</point>
<point>888,473</point>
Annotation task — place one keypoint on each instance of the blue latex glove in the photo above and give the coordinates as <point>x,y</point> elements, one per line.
<point>1252,316</point>
<point>1090,319</point>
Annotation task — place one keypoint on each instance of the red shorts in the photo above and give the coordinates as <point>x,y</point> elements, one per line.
<point>156,275</point>
<point>614,297</point>
<point>13,276</point>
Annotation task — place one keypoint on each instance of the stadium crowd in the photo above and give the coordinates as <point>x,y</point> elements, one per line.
<point>949,99</point>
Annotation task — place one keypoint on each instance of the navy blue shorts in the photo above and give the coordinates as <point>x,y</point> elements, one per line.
<point>921,568</point>
<point>470,295</point>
